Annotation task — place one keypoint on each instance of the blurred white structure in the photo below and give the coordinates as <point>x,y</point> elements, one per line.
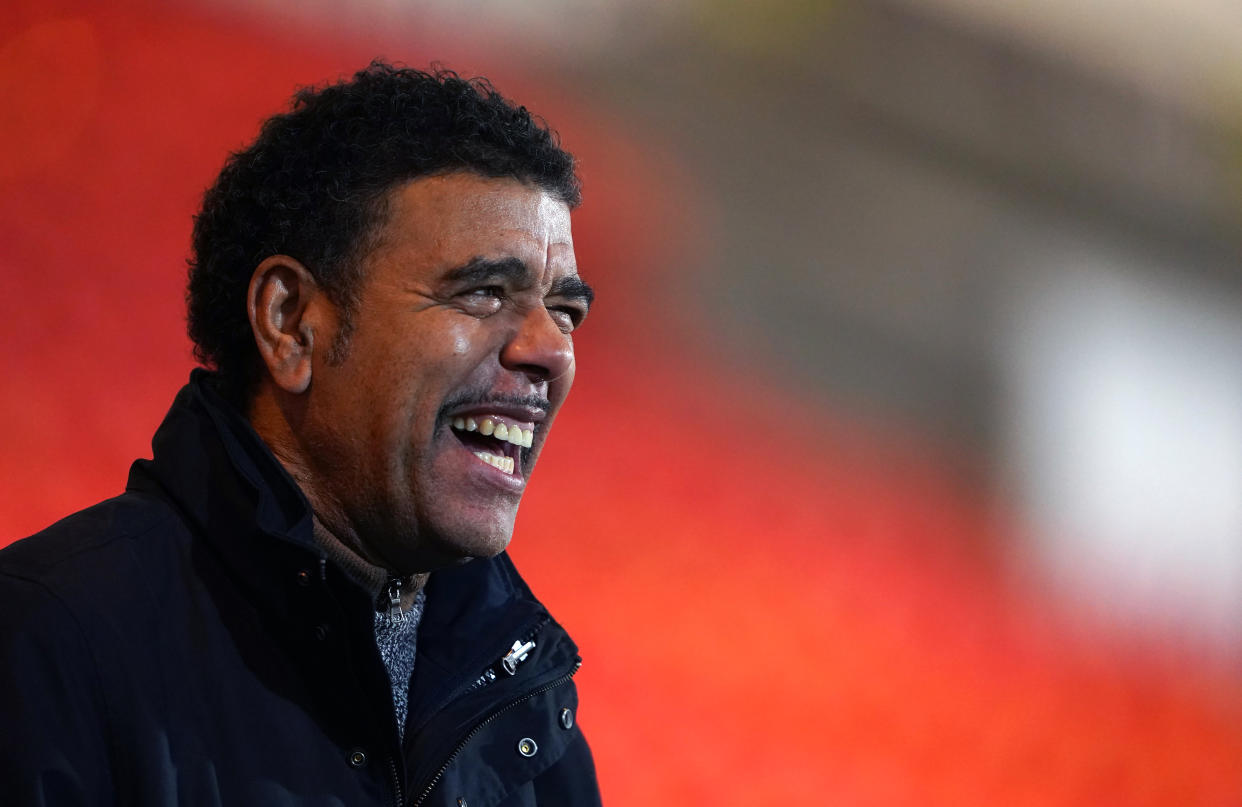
<point>1124,435</point>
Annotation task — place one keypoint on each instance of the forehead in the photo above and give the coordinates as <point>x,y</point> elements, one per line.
<point>444,221</point>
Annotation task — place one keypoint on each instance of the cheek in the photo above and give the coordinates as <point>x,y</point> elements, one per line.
<point>566,380</point>
<point>433,365</point>
<point>431,352</point>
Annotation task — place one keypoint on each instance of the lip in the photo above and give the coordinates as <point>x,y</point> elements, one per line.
<point>473,468</point>
<point>458,462</point>
<point>514,482</point>
<point>529,415</point>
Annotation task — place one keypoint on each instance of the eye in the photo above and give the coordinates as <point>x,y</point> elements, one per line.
<point>567,317</point>
<point>483,300</point>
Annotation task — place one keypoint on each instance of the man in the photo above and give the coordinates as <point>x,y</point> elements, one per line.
<point>303,598</point>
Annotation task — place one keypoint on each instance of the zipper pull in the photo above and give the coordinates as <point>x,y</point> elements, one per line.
<point>517,654</point>
<point>394,599</point>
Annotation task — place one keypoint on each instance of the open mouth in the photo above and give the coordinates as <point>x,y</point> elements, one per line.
<point>501,442</point>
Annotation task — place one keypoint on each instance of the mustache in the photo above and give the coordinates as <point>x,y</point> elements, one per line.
<point>485,398</point>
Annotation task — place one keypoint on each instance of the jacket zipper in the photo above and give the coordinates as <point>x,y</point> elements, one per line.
<point>396,782</point>
<point>394,599</point>
<point>515,655</point>
<point>435,780</point>
<point>395,614</point>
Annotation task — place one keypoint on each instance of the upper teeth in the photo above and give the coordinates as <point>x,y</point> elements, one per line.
<point>508,432</point>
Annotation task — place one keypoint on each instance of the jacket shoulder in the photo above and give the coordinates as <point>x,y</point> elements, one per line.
<point>55,746</point>
<point>94,544</point>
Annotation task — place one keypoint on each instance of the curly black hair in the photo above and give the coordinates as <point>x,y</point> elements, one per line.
<point>315,182</point>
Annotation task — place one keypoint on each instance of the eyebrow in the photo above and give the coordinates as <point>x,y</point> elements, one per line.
<point>574,287</point>
<point>478,270</point>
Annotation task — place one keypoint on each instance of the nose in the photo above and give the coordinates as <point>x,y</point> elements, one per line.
<point>539,348</point>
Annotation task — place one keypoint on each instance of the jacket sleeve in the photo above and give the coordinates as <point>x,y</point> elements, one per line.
<point>571,780</point>
<point>53,747</point>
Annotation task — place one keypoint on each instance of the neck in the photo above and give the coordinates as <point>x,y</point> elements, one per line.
<point>269,421</point>
<point>375,579</point>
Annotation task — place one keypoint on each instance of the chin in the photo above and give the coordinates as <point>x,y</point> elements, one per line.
<point>454,547</point>
<point>484,546</point>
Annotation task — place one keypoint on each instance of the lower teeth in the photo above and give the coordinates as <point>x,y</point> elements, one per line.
<point>503,463</point>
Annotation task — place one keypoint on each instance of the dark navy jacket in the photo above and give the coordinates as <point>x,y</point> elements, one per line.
<point>185,643</point>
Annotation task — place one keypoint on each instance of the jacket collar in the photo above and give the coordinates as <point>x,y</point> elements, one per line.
<point>232,491</point>
<point>206,451</point>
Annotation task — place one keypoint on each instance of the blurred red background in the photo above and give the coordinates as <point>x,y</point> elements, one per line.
<point>777,602</point>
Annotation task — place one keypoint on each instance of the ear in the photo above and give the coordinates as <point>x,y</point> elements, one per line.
<point>286,309</point>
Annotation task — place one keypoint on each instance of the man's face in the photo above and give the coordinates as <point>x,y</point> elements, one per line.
<point>461,333</point>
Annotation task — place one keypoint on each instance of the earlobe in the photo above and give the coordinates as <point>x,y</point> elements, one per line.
<point>281,303</point>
